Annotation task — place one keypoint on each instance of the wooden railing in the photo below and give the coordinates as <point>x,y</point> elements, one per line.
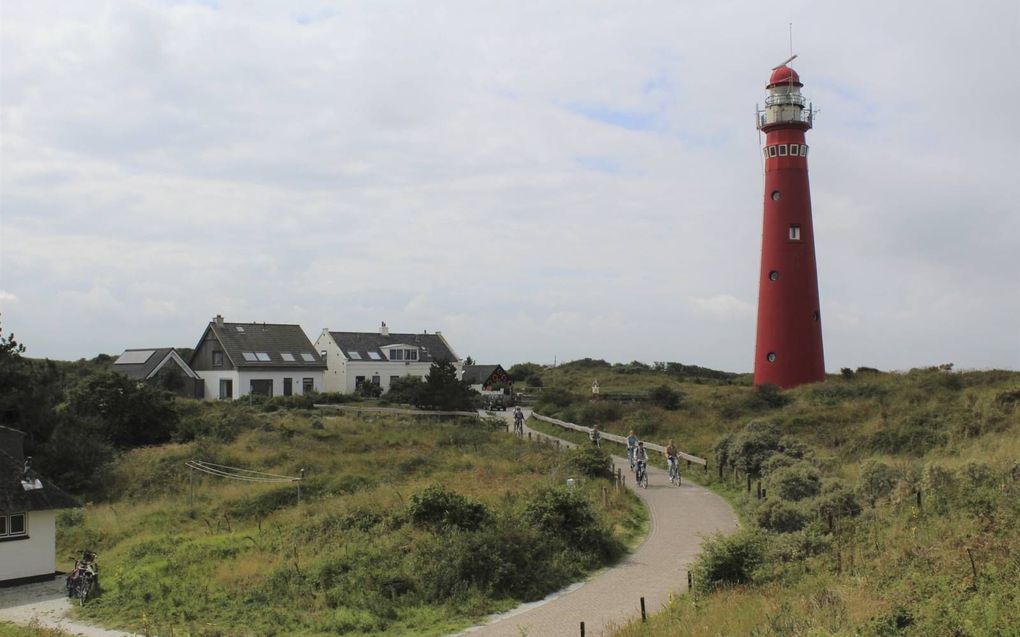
<point>615,438</point>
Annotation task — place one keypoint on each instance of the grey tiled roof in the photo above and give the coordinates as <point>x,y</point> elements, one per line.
<point>431,347</point>
<point>141,371</point>
<point>273,339</point>
<point>13,497</point>
<point>478,374</point>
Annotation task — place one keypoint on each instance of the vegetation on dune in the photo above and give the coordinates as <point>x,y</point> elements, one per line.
<point>405,526</point>
<point>892,499</point>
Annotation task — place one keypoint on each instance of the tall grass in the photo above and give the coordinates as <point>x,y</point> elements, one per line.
<point>193,553</point>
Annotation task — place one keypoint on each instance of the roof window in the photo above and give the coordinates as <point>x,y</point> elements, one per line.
<point>354,356</point>
<point>134,357</point>
<point>263,357</point>
<point>249,356</point>
<point>375,356</point>
<point>239,328</point>
<point>308,357</point>
<point>287,356</point>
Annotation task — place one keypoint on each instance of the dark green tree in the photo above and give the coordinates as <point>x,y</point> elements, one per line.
<point>443,390</point>
<point>128,413</point>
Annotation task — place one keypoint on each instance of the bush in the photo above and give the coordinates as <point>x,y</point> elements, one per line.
<point>837,501</point>
<point>594,413</point>
<point>752,446</point>
<point>781,516</point>
<point>641,422</point>
<point>877,480</point>
<point>767,397</point>
<point>590,461</point>
<point>555,397</point>
<point>666,397</point>
<point>729,559</point>
<point>569,517</point>
<point>436,506</point>
<point>796,482</point>
<point>125,413</point>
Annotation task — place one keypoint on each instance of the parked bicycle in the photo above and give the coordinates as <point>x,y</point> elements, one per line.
<point>83,581</point>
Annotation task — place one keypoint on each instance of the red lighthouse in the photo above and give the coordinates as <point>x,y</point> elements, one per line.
<point>788,351</point>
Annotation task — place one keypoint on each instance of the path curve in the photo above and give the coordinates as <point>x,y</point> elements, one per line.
<point>47,604</point>
<point>680,517</point>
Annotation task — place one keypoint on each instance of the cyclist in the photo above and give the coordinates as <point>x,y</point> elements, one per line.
<point>518,421</point>
<point>641,463</point>
<point>596,437</point>
<point>631,446</point>
<point>671,459</point>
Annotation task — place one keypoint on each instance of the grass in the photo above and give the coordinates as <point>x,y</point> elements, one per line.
<point>237,559</point>
<point>32,630</point>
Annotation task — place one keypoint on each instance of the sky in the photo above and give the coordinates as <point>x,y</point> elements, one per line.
<point>539,181</point>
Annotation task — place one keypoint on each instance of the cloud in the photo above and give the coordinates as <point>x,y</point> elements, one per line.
<point>533,181</point>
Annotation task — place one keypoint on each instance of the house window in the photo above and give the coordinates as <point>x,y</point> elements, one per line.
<point>261,386</point>
<point>13,525</point>
<point>396,354</point>
<point>226,389</point>
<point>359,381</point>
<point>794,233</point>
<point>375,356</point>
<point>238,328</point>
<point>307,385</point>
<point>354,356</point>
<point>308,357</point>
<point>249,356</point>
<point>287,356</point>
<point>263,357</point>
<point>288,386</point>
<point>393,379</point>
<point>782,150</point>
<point>411,354</point>
<point>217,358</point>
<point>376,380</point>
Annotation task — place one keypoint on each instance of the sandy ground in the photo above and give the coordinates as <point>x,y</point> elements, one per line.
<point>47,604</point>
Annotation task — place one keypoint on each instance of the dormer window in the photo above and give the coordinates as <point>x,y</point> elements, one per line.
<point>396,354</point>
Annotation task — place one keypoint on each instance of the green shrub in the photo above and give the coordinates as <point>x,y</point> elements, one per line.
<point>554,397</point>
<point>567,515</point>
<point>781,516</point>
<point>912,434</point>
<point>437,506</point>
<point>752,446</point>
<point>594,413</point>
<point>777,462</point>
<point>666,397</point>
<point>877,480</point>
<point>837,501</point>
<point>767,397</point>
<point>729,559</point>
<point>590,461</point>
<point>796,482</point>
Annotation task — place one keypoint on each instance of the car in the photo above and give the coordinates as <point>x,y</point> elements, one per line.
<point>497,404</point>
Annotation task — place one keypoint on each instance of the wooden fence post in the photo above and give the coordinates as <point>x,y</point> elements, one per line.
<point>918,499</point>
<point>749,483</point>
<point>759,489</point>
<point>582,629</point>
<point>644,616</point>
<point>690,580</point>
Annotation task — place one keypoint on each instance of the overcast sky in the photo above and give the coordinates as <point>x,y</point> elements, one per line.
<point>536,180</point>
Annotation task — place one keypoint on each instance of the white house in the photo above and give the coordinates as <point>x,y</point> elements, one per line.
<point>235,359</point>
<point>28,516</point>
<point>353,358</point>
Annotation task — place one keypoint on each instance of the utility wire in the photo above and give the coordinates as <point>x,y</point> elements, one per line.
<point>236,473</point>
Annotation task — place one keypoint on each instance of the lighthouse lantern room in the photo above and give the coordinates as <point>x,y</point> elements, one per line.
<point>788,348</point>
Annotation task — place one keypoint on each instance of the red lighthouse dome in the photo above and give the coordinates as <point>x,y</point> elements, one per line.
<point>784,75</point>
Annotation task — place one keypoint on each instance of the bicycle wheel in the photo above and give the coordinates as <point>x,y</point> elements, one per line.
<point>84,590</point>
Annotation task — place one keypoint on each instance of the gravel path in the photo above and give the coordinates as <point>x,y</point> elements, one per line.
<point>680,518</point>
<point>47,604</point>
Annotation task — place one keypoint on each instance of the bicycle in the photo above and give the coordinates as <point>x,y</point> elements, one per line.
<point>519,424</point>
<point>83,581</point>
<point>641,474</point>
<point>674,472</point>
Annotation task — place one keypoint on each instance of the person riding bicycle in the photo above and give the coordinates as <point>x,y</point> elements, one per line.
<point>672,453</point>
<point>518,417</point>
<point>640,462</point>
<point>596,437</point>
<point>631,446</point>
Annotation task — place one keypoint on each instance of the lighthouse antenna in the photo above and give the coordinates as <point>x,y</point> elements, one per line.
<point>785,62</point>
<point>791,38</point>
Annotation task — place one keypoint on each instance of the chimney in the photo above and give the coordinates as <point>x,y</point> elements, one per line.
<point>383,330</point>
<point>218,320</point>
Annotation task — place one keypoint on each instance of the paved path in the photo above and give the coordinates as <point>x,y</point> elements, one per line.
<point>46,603</point>
<point>680,518</point>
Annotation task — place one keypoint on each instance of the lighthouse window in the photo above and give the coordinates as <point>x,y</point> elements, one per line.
<point>771,357</point>
<point>803,150</point>
<point>772,151</point>
<point>775,195</point>
<point>816,316</point>
<point>794,233</point>
<point>765,151</point>
<point>774,275</point>
<point>794,150</point>
<point>782,150</point>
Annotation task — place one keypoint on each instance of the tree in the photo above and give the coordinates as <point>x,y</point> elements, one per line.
<point>442,389</point>
<point>128,413</point>
<point>666,397</point>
